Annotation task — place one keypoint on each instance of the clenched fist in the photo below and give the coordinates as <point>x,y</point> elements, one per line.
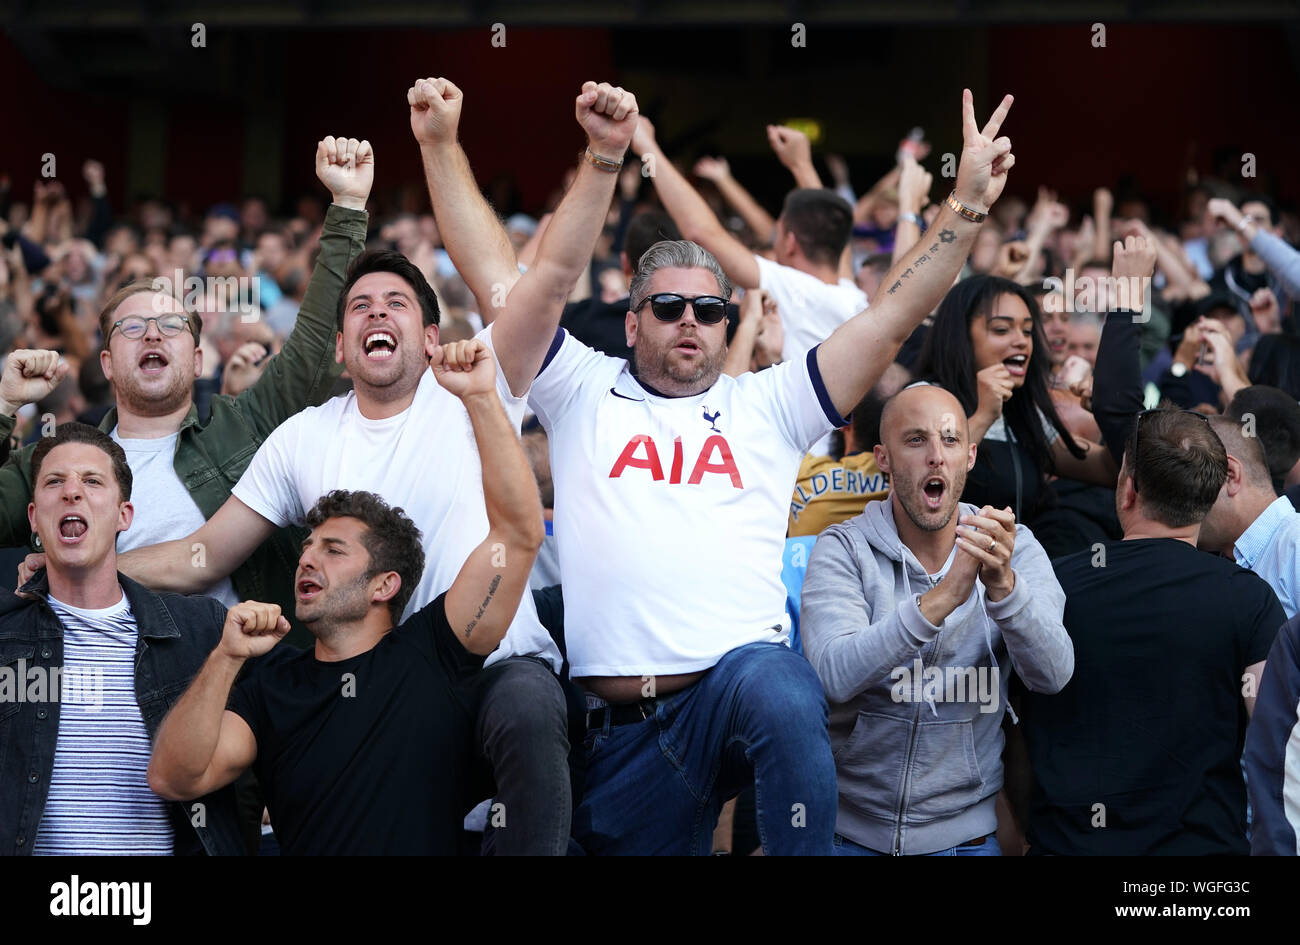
<point>252,629</point>
<point>609,116</point>
<point>244,368</point>
<point>435,110</point>
<point>792,147</point>
<point>464,368</point>
<point>29,376</point>
<point>347,167</point>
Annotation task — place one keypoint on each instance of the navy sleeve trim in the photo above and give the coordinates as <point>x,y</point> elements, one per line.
<point>823,397</point>
<point>553,350</point>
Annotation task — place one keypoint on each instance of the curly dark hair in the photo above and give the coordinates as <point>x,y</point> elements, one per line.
<point>392,540</point>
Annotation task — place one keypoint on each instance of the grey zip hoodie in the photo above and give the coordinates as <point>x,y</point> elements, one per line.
<point>915,709</point>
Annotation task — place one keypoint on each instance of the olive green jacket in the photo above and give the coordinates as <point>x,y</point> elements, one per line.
<point>210,457</point>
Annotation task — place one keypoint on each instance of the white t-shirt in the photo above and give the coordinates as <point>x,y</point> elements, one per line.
<point>164,508</point>
<point>423,460</point>
<point>670,513</point>
<point>810,309</point>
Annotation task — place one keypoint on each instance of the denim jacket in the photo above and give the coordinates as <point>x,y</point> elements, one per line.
<point>211,457</point>
<point>175,635</point>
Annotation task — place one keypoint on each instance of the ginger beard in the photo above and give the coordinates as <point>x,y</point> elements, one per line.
<point>153,375</point>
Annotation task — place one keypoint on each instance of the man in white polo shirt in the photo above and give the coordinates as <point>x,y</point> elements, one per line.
<point>672,489</point>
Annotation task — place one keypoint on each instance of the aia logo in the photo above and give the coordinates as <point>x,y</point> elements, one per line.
<point>642,453</point>
<point>712,418</point>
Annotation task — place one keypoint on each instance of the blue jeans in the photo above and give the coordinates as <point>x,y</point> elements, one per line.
<point>846,847</point>
<point>757,717</point>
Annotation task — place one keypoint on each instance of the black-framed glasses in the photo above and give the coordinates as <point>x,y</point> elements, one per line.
<point>1137,429</point>
<point>135,326</point>
<point>669,306</point>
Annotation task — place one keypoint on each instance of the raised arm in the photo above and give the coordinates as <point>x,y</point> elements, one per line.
<point>737,197</point>
<point>1281,259</point>
<point>524,331</point>
<point>303,373</point>
<point>794,151</point>
<point>482,601</point>
<point>470,230</point>
<point>856,355</point>
<point>201,746</point>
<point>692,215</point>
<point>1117,376</point>
<point>913,194</point>
<point>194,564</point>
<point>29,376</point>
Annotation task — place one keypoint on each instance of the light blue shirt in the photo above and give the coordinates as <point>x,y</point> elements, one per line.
<point>1271,548</point>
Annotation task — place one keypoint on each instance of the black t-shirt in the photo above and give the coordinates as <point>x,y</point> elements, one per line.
<point>367,755</point>
<point>1151,726</point>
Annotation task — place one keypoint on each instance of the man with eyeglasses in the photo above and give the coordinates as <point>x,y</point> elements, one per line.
<point>672,489</point>
<point>151,357</point>
<point>401,436</point>
<point>1139,754</point>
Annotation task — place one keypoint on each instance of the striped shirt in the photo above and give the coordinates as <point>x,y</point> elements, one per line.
<point>99,802</point>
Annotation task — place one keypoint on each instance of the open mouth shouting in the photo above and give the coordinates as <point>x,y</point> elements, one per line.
<point>933,490</point>
<point>152,363</point>
<point>72,528</point>
<point>1017,365</point>
<point>307,589</point>
<point>379,345</point>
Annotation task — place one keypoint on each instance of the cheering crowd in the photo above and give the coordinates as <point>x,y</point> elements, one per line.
<point>915,522</point>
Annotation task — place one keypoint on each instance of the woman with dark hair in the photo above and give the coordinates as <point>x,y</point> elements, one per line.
<point>1276,363</point>
<point>986,346</point>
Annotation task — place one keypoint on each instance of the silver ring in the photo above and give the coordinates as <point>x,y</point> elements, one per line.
<point>993,543</point>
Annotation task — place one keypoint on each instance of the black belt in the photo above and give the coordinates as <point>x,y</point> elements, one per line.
<point>628,714</point>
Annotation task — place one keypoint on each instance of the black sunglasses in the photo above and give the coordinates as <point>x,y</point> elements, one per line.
<point>669,306</point>
<point>1137,429</point>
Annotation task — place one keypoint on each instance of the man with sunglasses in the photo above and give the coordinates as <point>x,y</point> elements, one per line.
<point>400,435</point>
<point>151,357</point>
<point>1139,754</point>
<point>672,489</point>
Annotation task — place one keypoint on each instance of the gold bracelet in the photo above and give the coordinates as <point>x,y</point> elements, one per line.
<point>964,211</point>
<point>602,163</point>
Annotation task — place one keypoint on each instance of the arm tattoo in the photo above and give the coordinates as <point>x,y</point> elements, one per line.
<point>482,609</point>
<point>946,236</point>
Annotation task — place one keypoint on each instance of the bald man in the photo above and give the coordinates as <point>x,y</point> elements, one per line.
<point>1249,522</point>
<point>910,613</point>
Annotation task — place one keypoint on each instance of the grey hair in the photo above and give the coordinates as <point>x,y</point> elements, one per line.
<point>674,254</point>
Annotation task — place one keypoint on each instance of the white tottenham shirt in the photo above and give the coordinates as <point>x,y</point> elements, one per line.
<point>670,513</point>
<point>423,460</point>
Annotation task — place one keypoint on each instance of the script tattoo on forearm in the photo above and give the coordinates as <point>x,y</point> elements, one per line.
<point>945,236</point>
<point>482,608</point>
